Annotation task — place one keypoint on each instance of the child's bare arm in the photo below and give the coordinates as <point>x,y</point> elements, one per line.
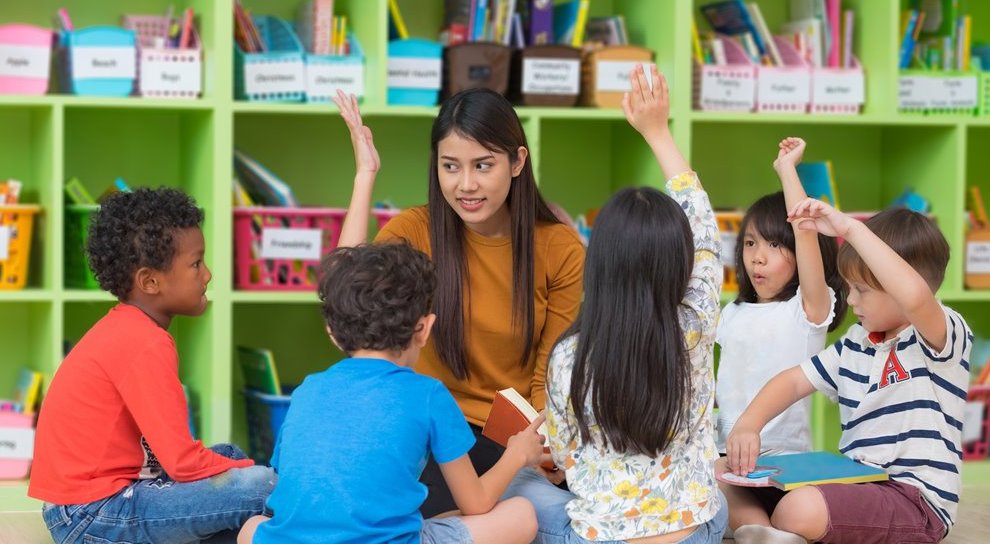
<point>742,446</point>
<point>898,279</point>
<point>648,111</point>
<point>355,228</point>
<point>814,289</point>
<point>475,494</point>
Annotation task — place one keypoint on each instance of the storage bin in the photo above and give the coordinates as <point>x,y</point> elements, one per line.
<point>327,73</point>
<point>77,271</point>
<point>16,223</point>
<point>265,415</point>
<point>276,75</point>
<point>279,249</point>
<point>977,263</point>
<point>979,396</point>
<point>25,59</point>
<point>787,88</point>
<point>476,64</point>
<point>98,61</point>
<point>731,87</point>
<point>162,72</point>
<point>728,228</point>
<point>546,75</point>
<point>16,445</point>
<point>839,91</point>
<point>605,73</point>
<point>414,72</point>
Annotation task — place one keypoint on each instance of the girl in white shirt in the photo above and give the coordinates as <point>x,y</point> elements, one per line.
<point>790,296</point>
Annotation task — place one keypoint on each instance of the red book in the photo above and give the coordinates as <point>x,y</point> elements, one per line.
<point>510,414</point>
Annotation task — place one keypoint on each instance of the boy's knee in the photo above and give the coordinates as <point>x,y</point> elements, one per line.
<point>803,512</point>
<point>524,514</point>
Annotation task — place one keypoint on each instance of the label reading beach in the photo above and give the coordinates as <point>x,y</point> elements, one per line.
<point>784,87</point>
<point>273,77</point>
<point>613,75</point>
<point>978,257</point>
<point>727,91</point>
<point>103,63</point>
<point>551,76</point>
<point>914,92</point>
<point>303,244</point>
<point>838,88</point>
<point>954,92</point>
<point>171,77</point>
<point>414,73</point>
<point>323,79</point>
<point>24,61</point>
<point>4,243</point>
<point>16,443</point>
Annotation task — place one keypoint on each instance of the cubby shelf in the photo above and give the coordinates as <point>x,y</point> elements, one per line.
<point>581,156</point>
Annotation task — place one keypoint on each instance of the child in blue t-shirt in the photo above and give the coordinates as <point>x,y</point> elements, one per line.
<point>358,434</point>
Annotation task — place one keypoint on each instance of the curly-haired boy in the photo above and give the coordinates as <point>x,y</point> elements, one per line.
<point>114,459</point>
<point>357,435</point>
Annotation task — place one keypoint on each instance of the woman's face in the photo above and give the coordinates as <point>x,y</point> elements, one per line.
<point>475,181</point>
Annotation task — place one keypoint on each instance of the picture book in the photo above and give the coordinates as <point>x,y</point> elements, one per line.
<point>510,414</point>
<point>258,368</point>
<point>540,22</point>
<point>76,193</point>
<point>818,182</point>
<point>787,472</point>
<point>264,187</point>
<point>732,18</point>
<point>28,390</point>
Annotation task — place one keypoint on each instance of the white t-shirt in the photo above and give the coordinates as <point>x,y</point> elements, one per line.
<point>758,341</point>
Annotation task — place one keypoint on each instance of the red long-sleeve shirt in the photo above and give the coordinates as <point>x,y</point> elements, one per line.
<point>115,412</point>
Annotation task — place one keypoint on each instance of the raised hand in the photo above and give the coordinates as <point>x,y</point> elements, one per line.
<point>790,153</point>
<point>814,214</point>
<point>647,109</point>
<point>365,155</point>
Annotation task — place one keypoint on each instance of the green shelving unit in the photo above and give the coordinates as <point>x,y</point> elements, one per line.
<point>581,156</point>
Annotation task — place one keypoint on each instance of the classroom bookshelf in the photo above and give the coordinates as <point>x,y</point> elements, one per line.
<point>581,156</point>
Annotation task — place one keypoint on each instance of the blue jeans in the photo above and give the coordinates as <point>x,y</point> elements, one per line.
<point>555,525</point>
<point>166,511</point>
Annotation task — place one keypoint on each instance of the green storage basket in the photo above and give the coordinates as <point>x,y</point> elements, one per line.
<point>77,271</point>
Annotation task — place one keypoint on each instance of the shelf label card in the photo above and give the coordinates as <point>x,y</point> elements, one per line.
<point>24,61</point>
<point>171,77</point>
<point>954,92</point>
<point>303,244</point>
<point>613,75</point>
<point>16,443</point>
<point>274,77</point>
<point>978,257</point>
<point>103,62</point>
<point>972,428</point>
<point>323,79</point>
<point>784,87</point>
<point>838,88</point>
<point>914,92</point>
<point>727,90</point>
<point>414,73</point>
<point>551,76</point>
<point>4,243</point>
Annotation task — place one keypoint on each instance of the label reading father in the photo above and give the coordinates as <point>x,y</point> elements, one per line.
<point>103,63</point>
<point>551,76</point>
<point>324,79</point>
<point>171,77</point>
<point>414,73</point>
<point>273,77</point>
<point>24,61</point>
<point>304,244</point>
<point>784,87</point>
<point>613,75</point>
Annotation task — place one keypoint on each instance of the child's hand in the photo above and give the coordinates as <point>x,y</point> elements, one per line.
<point>742,447</point>
<point>646,109</point>
<point>790,153</point>
<point>365,155</point>
<point>813,214</point>
<point>528,442</point>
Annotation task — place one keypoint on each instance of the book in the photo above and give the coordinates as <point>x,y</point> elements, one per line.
<point>818,182</point>
<point>76,192</point>
<point>540,22</point>
<point>264,187</point>
<point>732,18</point>
<point>791,471</point>
<point>258,368</point>
<point>396,24</point>
<point>764,34</point>
<point>28,390</point>
<point>510,414</point>
<point>565,20</point>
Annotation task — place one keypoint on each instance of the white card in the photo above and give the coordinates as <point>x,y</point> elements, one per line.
<point>414,73</point>
<point>323,79</point>
<point>4,243</point>
<point>914,92</point>
<point>978,257</point>
<point>784,87</point>
<point>171,77</point>
<point>303,244</point>
<point>972,428</point>
<point>954,92</point>
<point>103,62</point>
<point>24,61</point>
<point>838,88</point>
<point>551,76</point>
<point>274,77</point>
<point>16,443</point>
<point>722,91</point>
<point>613,75</point>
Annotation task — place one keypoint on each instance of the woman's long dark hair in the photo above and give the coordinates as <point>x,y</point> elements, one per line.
<point>486,117</point>
<point>631,360</point>
<point>768,216</point>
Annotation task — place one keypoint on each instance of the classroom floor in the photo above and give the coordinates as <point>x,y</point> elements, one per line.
<point>973,526</point>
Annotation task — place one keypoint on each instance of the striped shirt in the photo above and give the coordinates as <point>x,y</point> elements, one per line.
<point>901,405</point>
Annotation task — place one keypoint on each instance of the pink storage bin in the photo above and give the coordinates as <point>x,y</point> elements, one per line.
<point>165,73</point>
<point>787,88</point>
<point>980,448</point>
<point>25,59</point>
<point>16,445</point>
<point>279,249</point>
<point>726,88</point>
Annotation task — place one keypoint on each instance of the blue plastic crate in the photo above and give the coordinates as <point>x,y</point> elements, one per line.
<point>265,415</point>
<point>326,73</point>
<point>87,53</point>
<point>282,64</point>
<point>425,56</point>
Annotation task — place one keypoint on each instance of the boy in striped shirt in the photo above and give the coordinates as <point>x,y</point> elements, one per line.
<point>900,378</point>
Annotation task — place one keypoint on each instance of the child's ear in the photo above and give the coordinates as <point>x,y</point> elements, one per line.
<point>147,281</point>
<point>423,328</point>
<point>332,339</point>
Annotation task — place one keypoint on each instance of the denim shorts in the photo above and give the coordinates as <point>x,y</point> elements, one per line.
<point>449,530</point>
